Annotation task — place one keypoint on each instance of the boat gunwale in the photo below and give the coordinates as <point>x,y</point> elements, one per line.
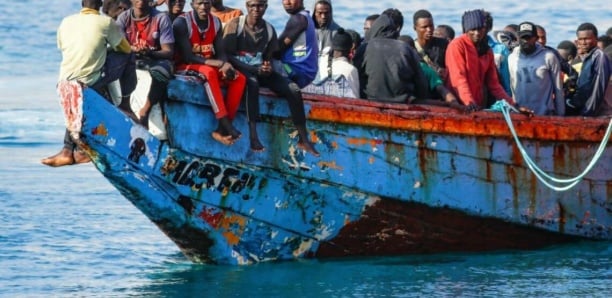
<point>445,120</point>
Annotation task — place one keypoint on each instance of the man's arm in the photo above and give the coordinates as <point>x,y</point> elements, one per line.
<point>555,74</point>
<point>457,71</point>
<point>295,26</point>
<point>184,45</point>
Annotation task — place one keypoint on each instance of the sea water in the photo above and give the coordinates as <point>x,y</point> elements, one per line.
<point>67,232</point>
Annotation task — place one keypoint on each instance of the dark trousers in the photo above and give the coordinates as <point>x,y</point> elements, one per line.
<point>118,66</point>
<point>282,86</point>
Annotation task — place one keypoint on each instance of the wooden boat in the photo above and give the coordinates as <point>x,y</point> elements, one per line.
<point>391,179</point>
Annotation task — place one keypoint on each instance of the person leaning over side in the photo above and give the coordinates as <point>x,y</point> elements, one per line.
<point>83,39</point>
<point>589,99</point>
<point>472,71</point>
<point>149,32</point>
<point>535,74</point>
<point>200,48</point>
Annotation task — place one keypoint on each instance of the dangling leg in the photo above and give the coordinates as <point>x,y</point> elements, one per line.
<point>291,92</point>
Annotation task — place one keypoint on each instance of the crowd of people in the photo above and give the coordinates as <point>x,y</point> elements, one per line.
<point>242,52</point>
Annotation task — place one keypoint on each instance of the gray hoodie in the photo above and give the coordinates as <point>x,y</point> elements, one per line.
<point>535,80</point>
<point>325,34</point>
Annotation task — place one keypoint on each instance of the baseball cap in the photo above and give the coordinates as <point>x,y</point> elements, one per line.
<point>527,29</point>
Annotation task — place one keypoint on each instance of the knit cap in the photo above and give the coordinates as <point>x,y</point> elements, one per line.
<point>473,19</point>
<point>342,41</point>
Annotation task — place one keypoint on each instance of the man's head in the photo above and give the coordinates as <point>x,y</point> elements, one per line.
<point>322,13</point>
<point>113,8</point>
<point>218,4</point>
<point>176,7</point>
<point>604,41</point>
<point>256,8</point>
<point>396,16</point>
<point>541,35</point>
<point>367,24</point>
<point>342,43</point>
<point>567,50</point>
<point>423,23</point>
<point>528,36</point>
<point>93,4</point>
<point>473,22</point>
<point>444,31</point>
<point>293,6</point>
<point>201,8</point>
<point>141,4</point>
<point>586,37</point>
<point>488,20</point>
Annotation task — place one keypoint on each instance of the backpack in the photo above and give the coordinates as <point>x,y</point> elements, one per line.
<point>242,21</point>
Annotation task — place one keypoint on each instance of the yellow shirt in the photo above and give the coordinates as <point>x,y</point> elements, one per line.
<point>83,40</point>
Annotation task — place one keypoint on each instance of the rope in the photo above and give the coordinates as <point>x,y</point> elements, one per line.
<point>540,174</point>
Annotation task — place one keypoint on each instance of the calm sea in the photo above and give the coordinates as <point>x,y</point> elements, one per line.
<point>68,232</point>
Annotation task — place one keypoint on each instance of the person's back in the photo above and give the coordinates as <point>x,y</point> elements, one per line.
<point>83,39</point>
<point>94,53</point>
<point>337,76</point>
<point>390,67</point>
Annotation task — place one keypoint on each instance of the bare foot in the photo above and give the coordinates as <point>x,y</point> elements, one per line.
<point>225,140</point>
<point>80,157</point>
<point>256,146</point>
<point>309,147</point>
<point>63,158</point>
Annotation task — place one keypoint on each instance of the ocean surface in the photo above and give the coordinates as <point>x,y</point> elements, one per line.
<point>67,232</point>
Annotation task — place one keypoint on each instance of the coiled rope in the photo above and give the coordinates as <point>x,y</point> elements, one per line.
<point>548,180</point>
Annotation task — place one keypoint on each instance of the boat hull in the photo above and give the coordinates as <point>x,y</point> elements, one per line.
<point>390,179</point>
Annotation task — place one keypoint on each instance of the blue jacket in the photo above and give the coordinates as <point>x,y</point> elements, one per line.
<point>592,83</point>
<point>500,56</point>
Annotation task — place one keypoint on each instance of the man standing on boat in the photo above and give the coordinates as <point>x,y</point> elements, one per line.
<point>431,49</point>
<point>471,67</point>
<point>589,99</point>
<point>389,69</point>
<point>83,39</point>
<point>325,25</point>
<point>200,48</point>
<point>535,74</point>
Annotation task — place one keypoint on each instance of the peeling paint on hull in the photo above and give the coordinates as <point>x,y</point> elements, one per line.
<point>390,180</point>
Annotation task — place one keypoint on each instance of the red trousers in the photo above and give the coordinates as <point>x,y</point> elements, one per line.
<point>235,88</point>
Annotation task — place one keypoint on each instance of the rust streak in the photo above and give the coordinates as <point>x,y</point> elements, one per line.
<point>448,121</point>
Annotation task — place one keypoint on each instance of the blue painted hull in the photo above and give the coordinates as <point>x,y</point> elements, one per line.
<point>389,180</point>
